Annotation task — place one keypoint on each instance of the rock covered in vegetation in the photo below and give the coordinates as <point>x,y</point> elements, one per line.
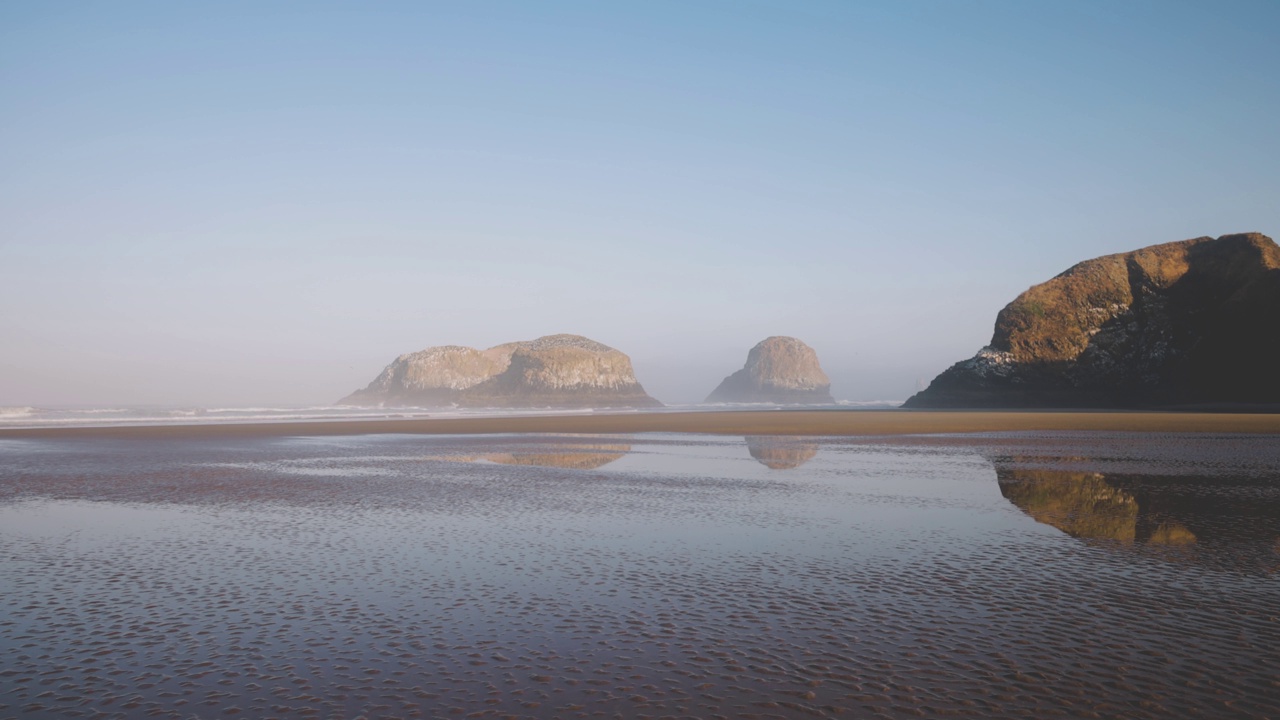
<point>1194,322</point>
<point>552,371</point>
<point>779,370</point>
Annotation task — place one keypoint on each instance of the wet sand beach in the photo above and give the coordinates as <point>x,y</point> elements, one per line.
<point>754,422</point>
<point>1060,573</point>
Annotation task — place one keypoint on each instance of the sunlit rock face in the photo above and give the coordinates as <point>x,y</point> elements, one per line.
<point>1190,322</point>
<point>780,452</point>
<point>552,371</point>
<point>435,376</point>
<point>779,370</point>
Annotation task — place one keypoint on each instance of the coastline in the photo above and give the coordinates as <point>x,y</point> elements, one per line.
<point>834,423</point>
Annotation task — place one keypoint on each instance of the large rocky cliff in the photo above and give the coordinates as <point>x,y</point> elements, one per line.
<point>779,370</point>
<point>552,371</point>
<point>1186,323</point>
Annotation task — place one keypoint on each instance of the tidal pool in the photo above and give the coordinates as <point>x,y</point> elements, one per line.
<point>1013,575</point>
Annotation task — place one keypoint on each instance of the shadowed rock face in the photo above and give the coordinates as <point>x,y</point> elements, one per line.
<point>552,371</point>
<point>1189,322</point>
<point>778,370</point>
<point>780,452</point>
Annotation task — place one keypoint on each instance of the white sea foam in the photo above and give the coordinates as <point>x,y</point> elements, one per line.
<point>870,403</point>
<point>64,417</point>
<point>849,404</point>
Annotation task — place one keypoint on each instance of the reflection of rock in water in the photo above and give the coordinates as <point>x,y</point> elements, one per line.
<point>780,452</point>
<point>578,457</point>
<point>1222,522</point>
<point>1078,504</point>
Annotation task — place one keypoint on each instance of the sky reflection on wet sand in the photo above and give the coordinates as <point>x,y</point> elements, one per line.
<point>1067,575</point>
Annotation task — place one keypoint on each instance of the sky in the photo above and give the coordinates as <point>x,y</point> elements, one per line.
<point>246,203</point>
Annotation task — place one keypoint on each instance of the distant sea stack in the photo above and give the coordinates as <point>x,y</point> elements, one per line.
<point>778,370</point>
<point>562,371</point>
<point>1195,322</point>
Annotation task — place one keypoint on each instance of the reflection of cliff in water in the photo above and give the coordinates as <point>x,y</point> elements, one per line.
<point>576,457</point>
<point>1224,522</point>
<point>780,452</point>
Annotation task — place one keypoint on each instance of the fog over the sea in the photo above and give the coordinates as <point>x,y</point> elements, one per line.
<point>264,204</point>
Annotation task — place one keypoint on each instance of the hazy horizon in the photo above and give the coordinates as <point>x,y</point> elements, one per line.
<point>251,204</point>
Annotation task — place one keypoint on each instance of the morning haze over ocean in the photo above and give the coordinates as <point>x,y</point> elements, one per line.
<point>549,360</point>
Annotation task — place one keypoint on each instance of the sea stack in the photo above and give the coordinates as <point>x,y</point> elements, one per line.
<point>563,371</point>
<point>1190,323</point>
<point>779,370</point>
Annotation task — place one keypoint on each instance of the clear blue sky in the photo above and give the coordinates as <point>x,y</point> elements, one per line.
<point>243,203</point>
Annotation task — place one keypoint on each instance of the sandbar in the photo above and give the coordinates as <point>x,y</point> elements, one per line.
<point>846,423</point>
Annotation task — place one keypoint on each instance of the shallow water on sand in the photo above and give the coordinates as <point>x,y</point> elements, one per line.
<point>1016,575</point>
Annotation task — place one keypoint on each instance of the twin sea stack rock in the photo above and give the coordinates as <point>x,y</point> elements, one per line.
<point>778,370</point>
<point>1195,322</point>
<point>566,371</point>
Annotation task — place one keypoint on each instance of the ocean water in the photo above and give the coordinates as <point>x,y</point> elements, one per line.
<point>31,416</point>
<point>1001,575</point>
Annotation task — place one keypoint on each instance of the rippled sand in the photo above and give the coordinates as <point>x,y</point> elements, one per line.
<point>1016,575</point>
